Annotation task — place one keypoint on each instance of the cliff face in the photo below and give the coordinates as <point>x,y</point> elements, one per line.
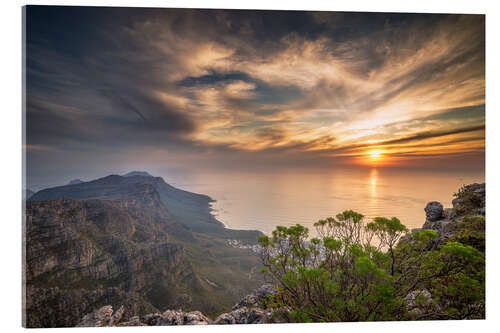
<point>114,241</point>
<point>98,250</point>
<point>97,239</point>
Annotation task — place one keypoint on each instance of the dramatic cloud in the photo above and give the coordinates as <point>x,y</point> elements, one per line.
<point>180,86</point>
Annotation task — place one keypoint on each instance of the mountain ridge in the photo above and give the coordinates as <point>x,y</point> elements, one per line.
<point>190,209</point>
<point>132,226</point>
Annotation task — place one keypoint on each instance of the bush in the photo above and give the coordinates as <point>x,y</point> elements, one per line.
<point>471,231</point>
<point>358,272</point>
<point>467,200</point>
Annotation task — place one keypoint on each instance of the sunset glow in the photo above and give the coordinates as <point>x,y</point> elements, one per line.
<point>226,88</point>
<point>375,154</point>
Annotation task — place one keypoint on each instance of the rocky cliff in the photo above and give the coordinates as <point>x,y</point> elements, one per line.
<point>114,241</point>
<point>98,250</point>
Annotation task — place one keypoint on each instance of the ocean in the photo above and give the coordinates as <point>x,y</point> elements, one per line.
<point>263,200</point>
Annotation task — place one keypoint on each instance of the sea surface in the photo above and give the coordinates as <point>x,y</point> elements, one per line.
<point>264,200</point>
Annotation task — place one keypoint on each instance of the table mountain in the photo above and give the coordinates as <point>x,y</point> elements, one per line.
<point>134,241</point>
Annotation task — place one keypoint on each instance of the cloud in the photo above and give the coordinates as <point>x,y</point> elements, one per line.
<point>436,134</point>
<point>120,102</point>
<point>208,83</point>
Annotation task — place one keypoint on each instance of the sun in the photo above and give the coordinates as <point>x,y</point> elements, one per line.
<point>375,154</point>
<point>375,157</point>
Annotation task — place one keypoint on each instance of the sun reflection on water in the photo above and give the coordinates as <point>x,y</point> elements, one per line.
<point>373,183</point>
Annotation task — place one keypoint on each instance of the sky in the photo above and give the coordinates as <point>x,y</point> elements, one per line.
<point>115,89</point>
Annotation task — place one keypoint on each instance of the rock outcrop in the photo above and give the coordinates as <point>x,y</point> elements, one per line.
<point>246,316</point>
<point>253,299</point>
<point>433,211</point>
<point>247,311</point>
<point>447,222</point>
<point>102,317</point>
<point>417,300</point>
<point>471,199</point>
<point>105,317</point>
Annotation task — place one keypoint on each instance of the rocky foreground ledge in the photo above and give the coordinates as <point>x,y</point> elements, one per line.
<point>247,311</point>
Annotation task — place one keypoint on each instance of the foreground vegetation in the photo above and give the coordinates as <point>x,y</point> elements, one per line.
<point>357,271</point>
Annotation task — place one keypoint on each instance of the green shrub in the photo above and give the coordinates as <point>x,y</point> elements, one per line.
<point>358,272</point>
<point>468,200</point>
<point>471,231</point>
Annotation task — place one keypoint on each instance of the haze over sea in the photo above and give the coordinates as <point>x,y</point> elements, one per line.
<point>263,200</point>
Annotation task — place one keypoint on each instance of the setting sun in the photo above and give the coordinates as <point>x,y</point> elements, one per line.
<point>375,154</point>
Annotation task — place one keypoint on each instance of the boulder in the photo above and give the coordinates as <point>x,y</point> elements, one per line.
<point>246,315</point>
<point>258,295</point>
<point>433,211</point>
<point>196,318</point>
<point>259,316</point>
<point>225,318</point>
<point>117,316</point>
<point>133,321</point>
<point>172,317</point>
<point>153,319</point>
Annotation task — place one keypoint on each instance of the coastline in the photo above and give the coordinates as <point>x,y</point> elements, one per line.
<point>211,211</point>
<point>231,234</point>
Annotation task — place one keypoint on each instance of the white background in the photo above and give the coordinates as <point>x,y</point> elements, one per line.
<point>11,163</point>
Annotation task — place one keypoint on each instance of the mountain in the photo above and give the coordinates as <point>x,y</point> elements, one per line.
<point>192,209</point>
<point>189,209</point>
<point>135,241</point>
<point>75,181</point>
